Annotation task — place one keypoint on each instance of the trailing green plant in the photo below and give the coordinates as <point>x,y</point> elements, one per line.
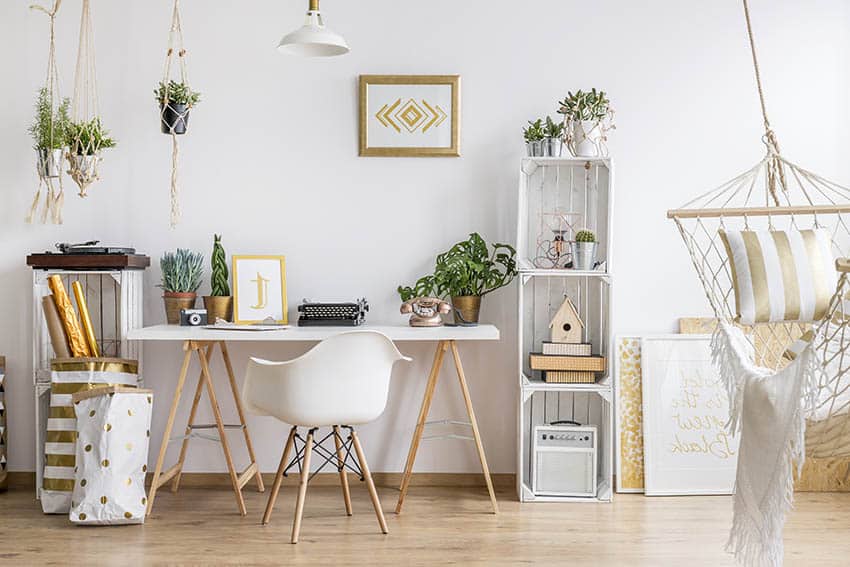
<point>177,93</point>
<point>182,271</point>
<point>50,126</point>
<point>467,268</point>
<point>592,105</point>
<point>218,262</point>
<point>585,236</point>
<point>88,138</point>
<point>534,131</point>
<point>553,129</point>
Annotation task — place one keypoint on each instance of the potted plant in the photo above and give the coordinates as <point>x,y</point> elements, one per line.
<point>553,132</point>
<point>584,250</point>
<point>533,135</point>
<point>465,273</point>
<point>587,118</point>
<point>175,100</point>
<point>182,272</point>
<point>85,140</point>
<point>48,132</point>
<point>219,304</point>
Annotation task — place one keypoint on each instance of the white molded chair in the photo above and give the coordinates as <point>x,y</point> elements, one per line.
<point>341,382</point>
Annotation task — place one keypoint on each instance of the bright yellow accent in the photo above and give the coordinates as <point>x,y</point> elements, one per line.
<point>262,291</point>
<point>61,485</point>
<point>630,413</point>
<point>61,436</point>
<point>60,460</point>
<point>235,259</point>
<point>85,319</point>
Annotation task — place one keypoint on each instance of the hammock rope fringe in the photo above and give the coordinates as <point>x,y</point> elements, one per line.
<point>54,198</point>
<point>786,404</point>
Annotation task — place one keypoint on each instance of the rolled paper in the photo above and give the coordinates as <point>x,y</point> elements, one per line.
<point>76,340</point>
<point>82,307</point>
<point>54,328</point>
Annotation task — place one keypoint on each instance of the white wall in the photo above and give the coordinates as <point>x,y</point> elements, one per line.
<point>271,161</point>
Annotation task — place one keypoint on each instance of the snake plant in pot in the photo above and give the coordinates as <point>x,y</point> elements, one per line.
<point>219,304</point>
<point>49,131</point>
<point>466,272</point>
<point>175,100</point>
<point>182,272</point>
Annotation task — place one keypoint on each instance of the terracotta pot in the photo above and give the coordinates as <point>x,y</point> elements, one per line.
<point>174,302</point>
<point>218,307</point>
<point>466,309</point>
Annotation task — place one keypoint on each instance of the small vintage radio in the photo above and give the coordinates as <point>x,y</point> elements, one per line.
<point>563,460</point>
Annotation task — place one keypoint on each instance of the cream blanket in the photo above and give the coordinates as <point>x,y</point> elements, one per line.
<point>768,409</point>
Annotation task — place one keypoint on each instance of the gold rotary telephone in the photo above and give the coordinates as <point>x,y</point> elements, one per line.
<point>425,311</point>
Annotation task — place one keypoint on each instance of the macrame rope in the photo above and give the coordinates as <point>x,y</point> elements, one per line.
<point>53,199</point>
<point>775,172</point>
<point>175,42</point>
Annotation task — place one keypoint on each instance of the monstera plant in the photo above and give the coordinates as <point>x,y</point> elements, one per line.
<point>466,272</point>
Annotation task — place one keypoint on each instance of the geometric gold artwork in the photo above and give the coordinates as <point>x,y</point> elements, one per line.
<point>409,115</point>
<point>629,418</point>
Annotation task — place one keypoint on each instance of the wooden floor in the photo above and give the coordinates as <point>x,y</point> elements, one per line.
<point>438,526</point>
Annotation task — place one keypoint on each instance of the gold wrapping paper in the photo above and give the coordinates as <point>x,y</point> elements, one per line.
<point>54,328</point>
<point>83,308</point>
<point>76,340</point>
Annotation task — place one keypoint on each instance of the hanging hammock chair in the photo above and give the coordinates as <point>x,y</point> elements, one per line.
<point>49,137</point>
<point>763,245</point>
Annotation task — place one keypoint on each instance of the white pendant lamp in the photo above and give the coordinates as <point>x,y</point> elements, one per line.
<point>313,39</point>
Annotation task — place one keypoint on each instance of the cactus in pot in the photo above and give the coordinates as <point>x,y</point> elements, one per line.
<point>219,304</point>
<point>584,250</point>
<point>182,272</point>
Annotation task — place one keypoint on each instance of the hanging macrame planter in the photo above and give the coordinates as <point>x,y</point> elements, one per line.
<point>176,99</point>
<point>48,131</point>
<point>86,134</point>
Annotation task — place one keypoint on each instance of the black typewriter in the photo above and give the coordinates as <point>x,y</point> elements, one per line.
<point>314,314</point>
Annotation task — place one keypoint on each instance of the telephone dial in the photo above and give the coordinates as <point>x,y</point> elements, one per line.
<point>425,311</point>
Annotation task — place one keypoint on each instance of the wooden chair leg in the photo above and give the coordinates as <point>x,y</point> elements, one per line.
<point>369,483</point>
<point>343,476</point>
<point>279,476</point>
<point>302,487</point>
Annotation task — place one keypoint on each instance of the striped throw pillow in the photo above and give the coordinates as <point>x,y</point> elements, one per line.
<point>780,275</point>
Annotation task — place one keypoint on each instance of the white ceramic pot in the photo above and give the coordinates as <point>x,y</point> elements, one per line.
<point>586,137</point>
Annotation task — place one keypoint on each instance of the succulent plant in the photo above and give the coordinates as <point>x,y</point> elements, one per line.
<point>218,261</point>
<point>534,131</point>
<point>553,129</point>
<point>585,236</point>
<point>583,106</point>
<point>177,93</point>
<point>182,271</point>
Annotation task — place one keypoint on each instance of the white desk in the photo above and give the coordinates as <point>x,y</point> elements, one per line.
<point>203,341</point>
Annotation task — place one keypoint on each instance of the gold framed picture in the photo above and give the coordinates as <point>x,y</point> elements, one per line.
<point>410,115</point>
<point>259,289</point>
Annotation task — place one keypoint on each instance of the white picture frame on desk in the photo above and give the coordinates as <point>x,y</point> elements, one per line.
<point>687,447</point>
<point>259,289</point>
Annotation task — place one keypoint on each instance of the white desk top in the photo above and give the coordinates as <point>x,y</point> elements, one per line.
<point>313,334</point>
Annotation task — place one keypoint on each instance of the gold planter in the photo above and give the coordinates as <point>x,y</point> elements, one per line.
<point>466,309</point>
<point>218,307</point>
<point>174,302</point>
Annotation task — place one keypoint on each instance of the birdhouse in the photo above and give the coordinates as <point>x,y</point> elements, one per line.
<point>566,326</point>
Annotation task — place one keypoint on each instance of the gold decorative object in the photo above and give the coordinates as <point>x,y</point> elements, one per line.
<point>466,309</point>
<point>174,302</point>
<point>76,340</point>
<point>218,307</point>
<point>405,116</point>
<point>88,329</point>
<point>629,415</point>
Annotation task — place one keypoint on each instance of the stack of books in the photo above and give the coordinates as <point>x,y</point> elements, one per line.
<point>567,363</point>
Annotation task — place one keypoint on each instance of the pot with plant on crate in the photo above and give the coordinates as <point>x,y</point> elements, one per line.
<point>175,100</point>
<point>466,273</point>
<point>588,117</point>
<point>553,133</point>
<point>584,250</point>
<point>219,304</point>
<point>182,272</point>
<point>533,136</point>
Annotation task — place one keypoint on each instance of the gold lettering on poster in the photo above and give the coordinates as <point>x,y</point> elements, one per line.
<point>698,417</point>
<point>262,291</point>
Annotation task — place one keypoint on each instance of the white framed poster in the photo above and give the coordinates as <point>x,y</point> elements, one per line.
<point>687,447</point>
<point>259,289</point>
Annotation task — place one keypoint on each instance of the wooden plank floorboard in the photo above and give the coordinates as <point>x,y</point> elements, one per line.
<point>439,526</point>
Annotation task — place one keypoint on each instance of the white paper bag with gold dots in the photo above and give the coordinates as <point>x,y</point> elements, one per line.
<point>113,430</point>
